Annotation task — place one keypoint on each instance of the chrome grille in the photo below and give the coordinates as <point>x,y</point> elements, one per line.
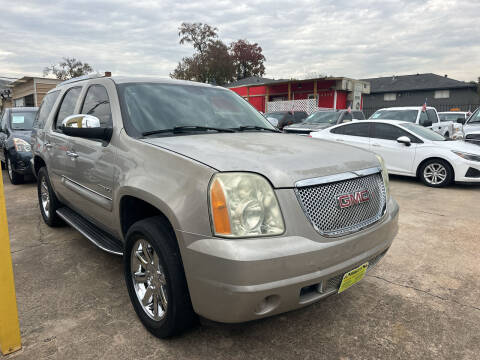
<point>320,204</point>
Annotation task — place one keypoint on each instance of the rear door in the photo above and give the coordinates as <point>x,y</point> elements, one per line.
<point>356,134</point>
<point>90,162</point>
<point>398,157</point>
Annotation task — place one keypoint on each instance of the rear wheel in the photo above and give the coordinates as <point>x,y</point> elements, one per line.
<point>47,200</point>
<point>155,278</point>
<point>436,173</point>
<point>14,177</point>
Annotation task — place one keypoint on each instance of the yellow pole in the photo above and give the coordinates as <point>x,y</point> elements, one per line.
<point>9,327</point>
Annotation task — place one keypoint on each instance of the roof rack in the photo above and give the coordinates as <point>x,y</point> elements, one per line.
<point>84,77</point>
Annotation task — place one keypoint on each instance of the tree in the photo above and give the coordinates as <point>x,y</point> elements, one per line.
<point>198,34</point>
<point>68,68</point>
<point>247,59</point>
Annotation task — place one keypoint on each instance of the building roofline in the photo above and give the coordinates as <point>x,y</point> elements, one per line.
<point>286,81</point>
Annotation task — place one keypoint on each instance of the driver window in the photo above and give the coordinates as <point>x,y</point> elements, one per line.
<point>68,105</point>
<point>97,104</point>
<point>347,117</point>
<point>475,118</point>
<point>432,115</point>
<point>423,118</point>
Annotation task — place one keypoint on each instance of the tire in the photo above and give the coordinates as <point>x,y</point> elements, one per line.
<point>436,173</point>
<point>14,177</point>
<point>48,205</point>
<point>162,276</point>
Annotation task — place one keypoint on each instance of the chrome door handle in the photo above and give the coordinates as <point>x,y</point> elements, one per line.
<point>376,145</point>
<point>72,154</point>
<point>48,145</point>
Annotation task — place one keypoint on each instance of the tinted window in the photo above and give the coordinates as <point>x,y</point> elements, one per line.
<point>22,120</point>
<point>347,117</point>
<point>388,132</point>
<point>97,104</point>
<point>68,105</point>
<point>358,115</point>
<point>423,118</point>
<point>299,116</point>
<point>432,115</point>
<point>357,129</point>
<point>45,108</point>
<point>475,118</point>
<point>322,117</point>
<point>338,130</point>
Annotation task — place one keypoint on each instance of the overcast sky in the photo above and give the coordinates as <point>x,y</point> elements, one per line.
<point>355,38</point>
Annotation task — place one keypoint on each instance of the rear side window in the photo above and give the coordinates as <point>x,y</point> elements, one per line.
<point>357,129</point>
<point>45,109</point>
<point>358,115</point>
<point>387,132</point>
<point>97,104</point>
<point>423,118</point>
<point>347,117</point>
<point>337,130</point>
<point>68,105</point>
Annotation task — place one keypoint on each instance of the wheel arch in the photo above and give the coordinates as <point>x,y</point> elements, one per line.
<point>435,158</point>
<point>38,163</point>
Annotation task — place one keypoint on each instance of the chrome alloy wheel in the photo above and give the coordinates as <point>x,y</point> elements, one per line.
<point>45,197</point>
<point>149,280</point>
<point>9,167</point>
<point>435,173</point>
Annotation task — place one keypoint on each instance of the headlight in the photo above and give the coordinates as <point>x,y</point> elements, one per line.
<point>386,180</point>
<point>244,205</point>
<point>21,145</point>
<point>467,156</point>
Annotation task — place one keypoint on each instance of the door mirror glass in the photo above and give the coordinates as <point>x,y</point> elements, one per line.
<point>86,126</point>
<point>404,140</point>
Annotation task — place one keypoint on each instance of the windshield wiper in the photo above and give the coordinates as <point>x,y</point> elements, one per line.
<point>186,128</point>
<point>254,127</point>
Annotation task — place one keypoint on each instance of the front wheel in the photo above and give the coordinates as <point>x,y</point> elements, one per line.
<point>14,177</point>
<point>155,278</point>
<point>436,173</point>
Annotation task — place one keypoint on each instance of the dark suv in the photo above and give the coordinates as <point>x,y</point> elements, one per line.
<point>15,151</point>
<point>285,118</point>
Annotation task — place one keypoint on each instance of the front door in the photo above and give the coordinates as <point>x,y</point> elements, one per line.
<point>90,164</point>
<point>398,157</point>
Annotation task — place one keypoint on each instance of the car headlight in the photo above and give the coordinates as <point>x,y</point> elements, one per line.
<point>386,180</point>
<point>467,156</point>
<point>21,145</point>
<point>244,205</point>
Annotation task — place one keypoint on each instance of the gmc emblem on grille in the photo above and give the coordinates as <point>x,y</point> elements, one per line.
<point>353,198</point>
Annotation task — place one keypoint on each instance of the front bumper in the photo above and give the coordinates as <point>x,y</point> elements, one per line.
<point>246,279</point>
<point>21,162</point>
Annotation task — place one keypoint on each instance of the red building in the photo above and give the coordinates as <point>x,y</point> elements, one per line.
<point>333,92</point>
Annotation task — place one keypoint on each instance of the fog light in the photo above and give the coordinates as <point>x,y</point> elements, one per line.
<point>267,305</point>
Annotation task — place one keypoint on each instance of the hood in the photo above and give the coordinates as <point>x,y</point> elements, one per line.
<point>460,145</point>
<point>282,158</point>
<point>305,126</point>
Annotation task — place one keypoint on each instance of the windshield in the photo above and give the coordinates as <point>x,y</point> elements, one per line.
<point>322,117</point>
<point>451,116</point>
<point>149,107</point>
<point>22,120</point>
<point>423,132</point>
<point>402,115</point>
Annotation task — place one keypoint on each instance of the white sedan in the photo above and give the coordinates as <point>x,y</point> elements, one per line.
<point>411,150</point>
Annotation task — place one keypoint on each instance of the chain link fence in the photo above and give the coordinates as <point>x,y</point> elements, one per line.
<point>307,105</point>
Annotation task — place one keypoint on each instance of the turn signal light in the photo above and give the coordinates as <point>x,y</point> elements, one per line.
<point>221,220</point>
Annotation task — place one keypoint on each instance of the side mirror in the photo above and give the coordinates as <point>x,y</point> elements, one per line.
<point>461,120</point>
<point>85,126</point>
<point>405,140</point>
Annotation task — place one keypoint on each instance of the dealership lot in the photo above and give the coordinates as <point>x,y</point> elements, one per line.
<point>421,302</point>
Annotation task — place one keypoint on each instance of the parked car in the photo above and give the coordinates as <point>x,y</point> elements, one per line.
<point>414,114</point>
<point>215,212</point>
<point>411,150</point>
<point>15,151</point>
<point>285,118</point>
<point>454,116</point>
<point>471,129</point>
<point>320,120</point>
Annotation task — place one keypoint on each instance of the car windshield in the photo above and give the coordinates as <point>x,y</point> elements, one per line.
<point>22,120</point>
<point>153,107</point>
<point>322,117</point>
<point>451,116</point>
<point>402,115</point>
<point>277,116</point>
<point>423,132</point>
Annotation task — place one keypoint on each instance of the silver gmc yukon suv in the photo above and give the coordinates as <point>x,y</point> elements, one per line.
<point>214,211</point>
